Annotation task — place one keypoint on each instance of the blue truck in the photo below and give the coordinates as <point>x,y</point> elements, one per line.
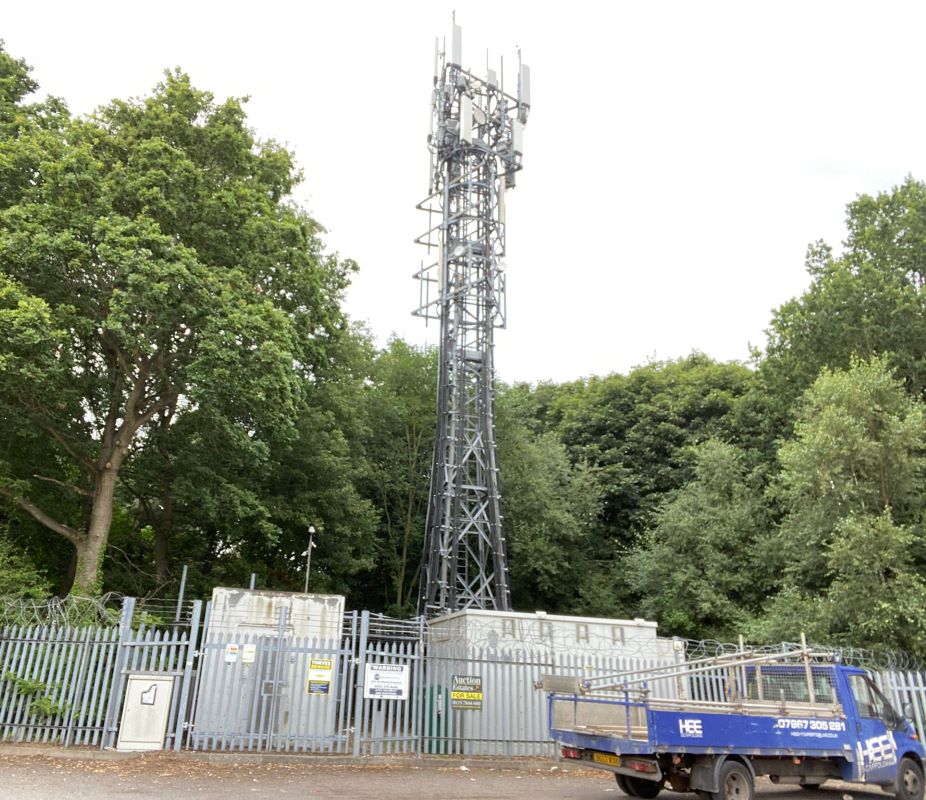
<point>711,726</point>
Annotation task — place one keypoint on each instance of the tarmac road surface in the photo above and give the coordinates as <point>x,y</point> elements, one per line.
<point>166,777</point>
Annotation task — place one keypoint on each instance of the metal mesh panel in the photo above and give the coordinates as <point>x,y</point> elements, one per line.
<point>791,684</point>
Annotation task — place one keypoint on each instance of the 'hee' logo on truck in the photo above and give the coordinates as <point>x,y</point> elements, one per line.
<point>690,728</point>
<point>877,753</point>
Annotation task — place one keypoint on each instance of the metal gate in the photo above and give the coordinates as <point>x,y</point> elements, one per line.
<point>388,717</point>
<point>277,693</point>
<point>482,701</point>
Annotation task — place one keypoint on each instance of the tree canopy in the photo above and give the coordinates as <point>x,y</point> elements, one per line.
<point>180,384</point>
<point>152,269</point>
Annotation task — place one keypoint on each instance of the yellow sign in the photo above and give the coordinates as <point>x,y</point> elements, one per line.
<point>319,680</point>
<point>466,695</point>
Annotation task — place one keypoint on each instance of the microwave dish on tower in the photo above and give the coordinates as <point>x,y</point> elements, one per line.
<point>476,146</point>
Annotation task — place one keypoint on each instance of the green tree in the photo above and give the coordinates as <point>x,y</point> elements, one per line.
<point>697,572</point>
<point>877,598</point>
<point>249,510</point>
<point>19,577</point>
<point>151,265</point>
<point>858,449</point>
<point>399,408</point>
<point>29,131</point>
<point>315,480</point>
<point>551,509</point>
<point>850,544</point>
<point>637,430</point>
<point>866,302</point>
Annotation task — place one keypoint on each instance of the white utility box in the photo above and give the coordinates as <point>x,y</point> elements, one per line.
<point>145,713</point>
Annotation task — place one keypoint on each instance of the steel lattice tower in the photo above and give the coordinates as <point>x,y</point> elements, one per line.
<point>476,146</point>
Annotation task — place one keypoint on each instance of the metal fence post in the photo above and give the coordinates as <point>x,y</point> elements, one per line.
<point>361,676</point>
<point>119,665</point>
<point>181,593</point>
<point>347,672</point>
<point>185,710</point>
<point>277,667</point>
<point>421,691</point>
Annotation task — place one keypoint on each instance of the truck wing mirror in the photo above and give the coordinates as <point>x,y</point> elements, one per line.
<point>908,712</point>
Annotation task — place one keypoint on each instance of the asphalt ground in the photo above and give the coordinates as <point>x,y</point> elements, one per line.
<point>162,776</point>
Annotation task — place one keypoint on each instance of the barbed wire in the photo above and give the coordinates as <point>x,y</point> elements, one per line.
<point>61,612</point>
<point>75,611</point>
<point>869,658</point>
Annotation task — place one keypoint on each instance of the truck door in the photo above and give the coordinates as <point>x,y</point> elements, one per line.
<point>875,748</point>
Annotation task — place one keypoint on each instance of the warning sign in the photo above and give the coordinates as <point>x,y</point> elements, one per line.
<point>319,680</point>
<point>466,692</point>
<point>386,682</point>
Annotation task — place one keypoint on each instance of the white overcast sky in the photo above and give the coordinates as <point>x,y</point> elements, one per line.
<point>678,159</point>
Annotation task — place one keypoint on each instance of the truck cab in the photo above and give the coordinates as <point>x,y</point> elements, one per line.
<point>883,738</point>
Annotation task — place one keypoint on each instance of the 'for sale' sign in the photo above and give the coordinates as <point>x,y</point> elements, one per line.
<point>466,692</point>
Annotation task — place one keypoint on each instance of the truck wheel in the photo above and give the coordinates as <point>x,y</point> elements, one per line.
<point>637,787</point>
<point>736,783</point>
<point>622,784</point>
<point>909,784</point>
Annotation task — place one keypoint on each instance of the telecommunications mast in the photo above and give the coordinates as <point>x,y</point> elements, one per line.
<point>476,145</point>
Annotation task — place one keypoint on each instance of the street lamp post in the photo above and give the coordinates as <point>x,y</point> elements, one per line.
<point>308,553</point>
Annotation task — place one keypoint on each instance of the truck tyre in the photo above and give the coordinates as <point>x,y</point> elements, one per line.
<point>637,787</point>
<point>909,784</point>
<point>736,783</point>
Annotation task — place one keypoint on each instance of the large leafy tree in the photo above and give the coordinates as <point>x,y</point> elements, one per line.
<point>878,596</point>
<point>627,442</point>
<point>851,491</point>
<point>398,406</point>
<point>151,266</point>
<point>28,130</point>
<point>858,449</point>
<point>697,571</point>
<point>551,510</point>
<point>19,576</point>
<point>636,429</point>
<point>316,480</point>
<point>867,301</point>
<point>250,509</point>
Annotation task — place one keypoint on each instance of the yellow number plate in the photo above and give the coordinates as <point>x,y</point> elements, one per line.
<point>606,758</point>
